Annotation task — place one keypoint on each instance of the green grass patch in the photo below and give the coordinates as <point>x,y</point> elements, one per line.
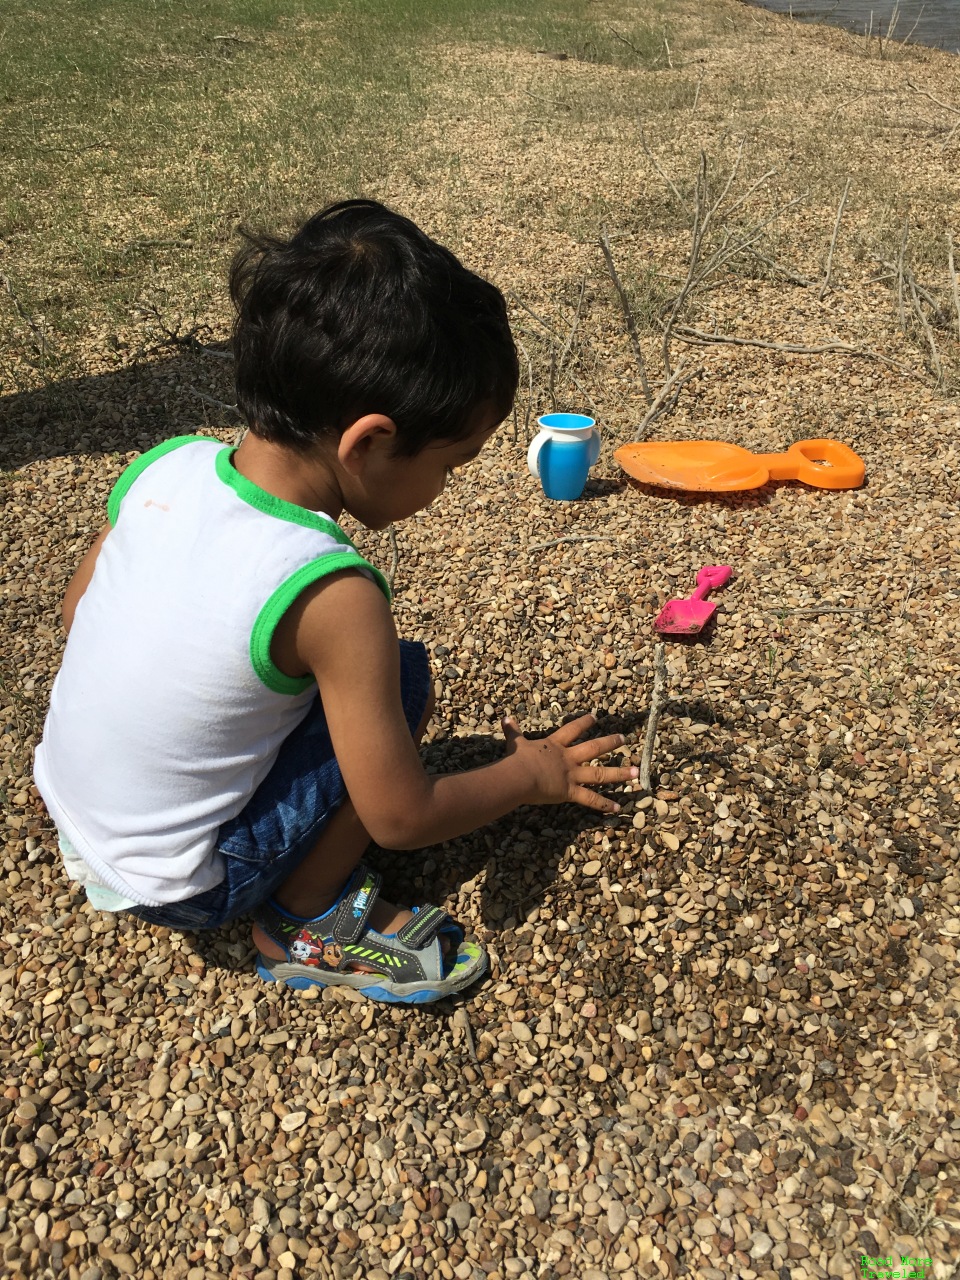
<point>139,134</point>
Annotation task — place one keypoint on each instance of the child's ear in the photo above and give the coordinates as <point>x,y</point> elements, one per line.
<point>372,433</point>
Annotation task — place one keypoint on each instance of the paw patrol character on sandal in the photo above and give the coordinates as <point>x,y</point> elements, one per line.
<point>235,718</point>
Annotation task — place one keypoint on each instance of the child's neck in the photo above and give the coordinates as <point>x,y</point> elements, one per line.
<point>305,480</point>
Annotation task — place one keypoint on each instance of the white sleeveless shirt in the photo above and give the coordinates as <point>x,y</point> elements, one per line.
<point>168,712</point>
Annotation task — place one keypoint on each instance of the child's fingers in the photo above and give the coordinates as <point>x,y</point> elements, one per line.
<point>569,733</point>
<point>593,800</point>
<point>596,775</point>
<point>511,731</point>
<point>596,747</point>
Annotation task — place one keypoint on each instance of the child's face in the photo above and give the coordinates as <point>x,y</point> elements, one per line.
<point>402,486</point>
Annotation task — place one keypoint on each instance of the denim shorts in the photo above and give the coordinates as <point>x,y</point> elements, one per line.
<point>281,822</point>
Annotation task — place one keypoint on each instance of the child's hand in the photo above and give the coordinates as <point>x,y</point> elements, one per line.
<point>559,766</point>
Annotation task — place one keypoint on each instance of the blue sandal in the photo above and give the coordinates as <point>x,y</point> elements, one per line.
<point>408,967</point>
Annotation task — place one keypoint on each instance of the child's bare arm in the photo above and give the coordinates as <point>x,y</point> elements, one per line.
<point>343,631</point>
<point>81,580</point>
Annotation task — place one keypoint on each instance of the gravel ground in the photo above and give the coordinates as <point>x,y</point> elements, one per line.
<point>720,1036</point>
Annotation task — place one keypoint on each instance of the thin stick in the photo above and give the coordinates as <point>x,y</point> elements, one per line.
<point>699,193</point>
<point>953,279</point>
<point>653,160</point>
<point>901,309</point>
<point>813,613</point>
<point>833,243</point>
<point>219,404</point>
<point>627,315</point>
<point>908,594</point>
<point>526,419</point>
<point>926,327</point>
<point>696,96</point>
<point>664,401</point>
<point>614,32</point>
<point>923,94</point>
<point>658,699</point>
<point>568,343</point>
<point>395,555</point>
<point>539,319</point>
<point>786,272</point>
<point>688,334</point>
<point>573,537</point>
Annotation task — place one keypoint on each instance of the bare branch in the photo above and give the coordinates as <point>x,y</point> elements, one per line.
<point>833,243</point>
<point>926,327</point>
<point>218,404</point>
<point>697,336</point>
<point>529,412</point>
<point>539,319</point>
<point>653,160</point>
<point>571,537</point>
<point>786,272</point>
<point>565,350</point>
<point>395,555</point>
<point>953,279</point>
<point>614,32</point>
<point>699,193</point>
<point>924,94</point>
<point>627,315</point>
<point>901,309</point>
<point>666,398</point>
<point>658,699</point>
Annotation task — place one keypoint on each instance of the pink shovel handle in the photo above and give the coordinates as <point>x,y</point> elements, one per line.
<point>710,577</point>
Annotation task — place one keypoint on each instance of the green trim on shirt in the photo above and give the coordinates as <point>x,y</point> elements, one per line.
<point>280,601</point>
<point>254,496</point>
<point>139,465</point>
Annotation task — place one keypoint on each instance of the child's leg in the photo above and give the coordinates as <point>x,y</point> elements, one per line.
<point>318,880</point>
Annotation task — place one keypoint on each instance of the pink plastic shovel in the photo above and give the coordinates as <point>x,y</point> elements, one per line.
<point>687,617</point>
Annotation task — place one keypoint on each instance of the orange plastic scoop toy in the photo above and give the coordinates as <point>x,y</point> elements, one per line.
<point>719,467</point>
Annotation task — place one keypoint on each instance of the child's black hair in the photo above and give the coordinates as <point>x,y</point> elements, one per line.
<point>361,312</point>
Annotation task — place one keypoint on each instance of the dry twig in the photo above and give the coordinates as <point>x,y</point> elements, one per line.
<point>556,362</point>
<point>924,94</point>
<point>697,336</point>
<point>705,210</point>
<point>572,537</point>
<point>901,309</point>
<point>394,555</point>
<point>627,315</point>
<point>925,326</point>
<point>833,243</point>
<point>529,411</point>
<point>787,272</point>
<point>666,398</point>
<point>954,289</point>
<point>653,160</point>
<point>218,404</point>
<point>815,612</point>
<point>658,698</point>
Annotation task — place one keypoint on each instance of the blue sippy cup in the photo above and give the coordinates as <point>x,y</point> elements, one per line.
<point>562,453</point>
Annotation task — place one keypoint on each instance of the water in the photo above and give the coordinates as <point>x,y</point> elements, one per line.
<point>932,22</point>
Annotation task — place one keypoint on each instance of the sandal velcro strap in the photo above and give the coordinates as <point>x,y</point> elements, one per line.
<point>356,903</point>
<point>427,922</point>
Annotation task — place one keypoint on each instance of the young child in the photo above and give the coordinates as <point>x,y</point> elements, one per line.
<point>235,718</point>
